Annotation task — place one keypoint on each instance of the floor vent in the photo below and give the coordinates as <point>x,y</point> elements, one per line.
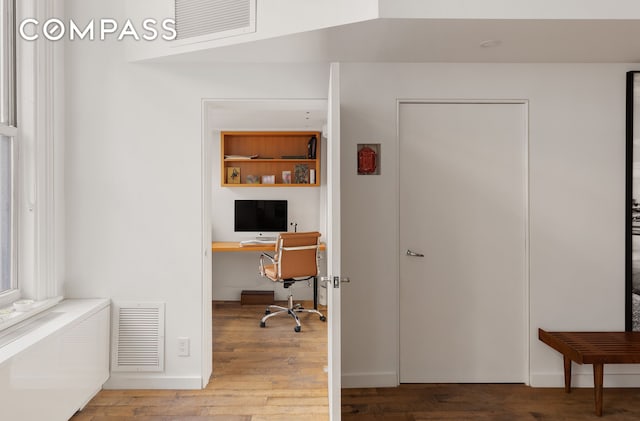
<point>200,20</point>
<point>138,337</point>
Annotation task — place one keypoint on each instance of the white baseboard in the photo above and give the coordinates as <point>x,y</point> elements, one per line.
<point>134,381</point>
<point>353,380</point>
<point>585,379</point>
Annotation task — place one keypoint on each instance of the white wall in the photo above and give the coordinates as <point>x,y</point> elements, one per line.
<point>134,178</point>
<point>576,170</point>
<point>509,9</point>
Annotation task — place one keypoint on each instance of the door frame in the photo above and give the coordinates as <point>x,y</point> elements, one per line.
<point>206,170</point>
<point>333,166</point>
<point>527,249</point>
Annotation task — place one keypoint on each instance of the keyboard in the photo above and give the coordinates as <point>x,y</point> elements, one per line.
<point>256,242</point>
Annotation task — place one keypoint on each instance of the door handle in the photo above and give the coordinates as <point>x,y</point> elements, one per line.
<point>414,254</point>
<point>335,280</point>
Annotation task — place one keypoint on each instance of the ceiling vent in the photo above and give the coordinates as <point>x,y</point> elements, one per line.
<point>203,20</point>
<point>138,337</point>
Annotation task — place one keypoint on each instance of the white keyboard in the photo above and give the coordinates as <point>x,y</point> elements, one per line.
<point>256,242</point>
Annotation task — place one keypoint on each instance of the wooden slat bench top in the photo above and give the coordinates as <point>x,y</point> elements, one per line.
<point>597,348</point>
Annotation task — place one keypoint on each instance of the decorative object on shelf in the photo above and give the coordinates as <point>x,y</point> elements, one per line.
<point>253,179</point>
<point>312,176</point>
<point>301,174</point>
<point>233,175</point>
<point>368,159</point>
<point>311,147</point>
<point>240,157</point>
<point>268,179</point>
<point>286,177</point>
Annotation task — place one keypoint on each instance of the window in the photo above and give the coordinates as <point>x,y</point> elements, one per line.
<point>31,114</point>
<point>6,215</point>
<point>7,147</point>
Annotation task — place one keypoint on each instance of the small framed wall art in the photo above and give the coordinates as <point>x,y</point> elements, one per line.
<point>233,175</point>
<point>253,179</point>
<point>368,158</point>
<point>301,174</point>
<point>268,179</point>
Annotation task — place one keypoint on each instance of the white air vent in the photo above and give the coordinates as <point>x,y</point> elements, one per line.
<point>201,20</point>
<point>138,337</point>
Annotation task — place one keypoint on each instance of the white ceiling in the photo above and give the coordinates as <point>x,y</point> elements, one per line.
<point>413,40</point>
<point>427,40</point>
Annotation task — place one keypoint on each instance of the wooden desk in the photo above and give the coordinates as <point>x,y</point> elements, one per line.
<point>236,247</point>
<point>597,348</point>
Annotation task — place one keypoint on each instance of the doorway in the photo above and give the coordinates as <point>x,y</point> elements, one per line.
<point>463,238</point>
<point>308,206</point>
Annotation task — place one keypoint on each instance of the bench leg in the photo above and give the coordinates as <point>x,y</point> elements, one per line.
<point>567,374</point>
<point>598,375</point>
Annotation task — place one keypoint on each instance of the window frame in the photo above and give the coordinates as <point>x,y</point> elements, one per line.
<point>39,187</point>
<point>13,293</point>
<point>8,129</point>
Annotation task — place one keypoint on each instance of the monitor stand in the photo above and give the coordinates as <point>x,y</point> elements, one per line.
<point>263,238</point>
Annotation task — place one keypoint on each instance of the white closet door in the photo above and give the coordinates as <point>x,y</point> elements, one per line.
<point>463,312</point>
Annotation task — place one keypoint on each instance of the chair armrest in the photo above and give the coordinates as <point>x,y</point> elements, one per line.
<point>264,256</point>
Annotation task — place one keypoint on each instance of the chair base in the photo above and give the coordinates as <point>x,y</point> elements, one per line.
<point>291,310</point>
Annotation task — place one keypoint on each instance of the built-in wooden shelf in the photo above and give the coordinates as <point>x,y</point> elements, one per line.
<point>269,154</point>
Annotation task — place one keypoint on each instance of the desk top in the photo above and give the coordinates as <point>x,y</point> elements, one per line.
<point>234,246</point>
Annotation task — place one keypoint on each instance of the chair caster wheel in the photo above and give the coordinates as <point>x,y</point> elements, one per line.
<point>323,319</point>
<point>267,311</point>
<point>263,324</point>
<point>297,328</point>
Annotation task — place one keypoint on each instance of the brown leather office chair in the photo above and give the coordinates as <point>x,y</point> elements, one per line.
<point>295,259</point>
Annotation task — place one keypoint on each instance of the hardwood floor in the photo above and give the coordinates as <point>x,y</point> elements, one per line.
<point>482,402</point>
<point>275,374</point>
<point>271,374</point>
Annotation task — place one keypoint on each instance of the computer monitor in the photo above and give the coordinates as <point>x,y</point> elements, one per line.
<point>260,216</point>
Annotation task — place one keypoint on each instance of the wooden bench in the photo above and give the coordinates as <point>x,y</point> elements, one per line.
<point>597,348</point>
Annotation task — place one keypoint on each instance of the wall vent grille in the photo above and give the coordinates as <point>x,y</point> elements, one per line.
<point>202,20</point>
<point>138,337</point>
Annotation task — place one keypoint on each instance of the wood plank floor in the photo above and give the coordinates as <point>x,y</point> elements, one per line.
<point>275,374</point>
<point>271,374</point>
<point>485,402</point>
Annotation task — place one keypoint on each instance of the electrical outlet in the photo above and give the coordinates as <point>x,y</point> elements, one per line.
<point>183,347</point>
